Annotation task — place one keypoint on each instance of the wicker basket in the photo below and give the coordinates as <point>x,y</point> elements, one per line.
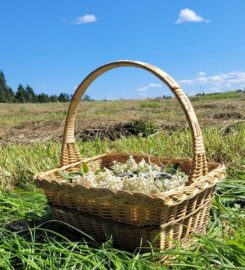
<point>168,216</point>
<point>127,237</point>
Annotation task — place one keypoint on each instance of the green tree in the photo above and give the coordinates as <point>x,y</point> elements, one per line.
<point>3,88</point>
<point>30,95</point>
<point>27,94</point>
<point>10,96</point>
<point>63,97</point>
<point>87,98</point>
<point>43,98</point>
<point>20,95</point>
<point>53,98</point>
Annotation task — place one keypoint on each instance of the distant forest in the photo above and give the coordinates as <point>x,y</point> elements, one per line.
<point>27,94</point>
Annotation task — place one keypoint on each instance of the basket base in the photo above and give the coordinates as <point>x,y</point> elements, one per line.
<point>126,237</point>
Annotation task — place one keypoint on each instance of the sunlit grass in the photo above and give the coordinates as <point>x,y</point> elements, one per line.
<point>40,247</point>
<point>19,163</point>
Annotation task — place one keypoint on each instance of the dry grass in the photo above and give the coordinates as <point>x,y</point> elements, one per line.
<point>27,123</point>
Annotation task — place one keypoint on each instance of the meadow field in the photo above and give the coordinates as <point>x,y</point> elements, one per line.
<point>30,142</point>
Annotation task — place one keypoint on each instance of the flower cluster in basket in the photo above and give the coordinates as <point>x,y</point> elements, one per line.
<point>131,176</point>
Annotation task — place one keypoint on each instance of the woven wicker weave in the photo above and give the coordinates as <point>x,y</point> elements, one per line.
<point>131,237</point>
<point>171,215</point>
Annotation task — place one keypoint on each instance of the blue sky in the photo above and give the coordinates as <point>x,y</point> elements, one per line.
<point>53,45</point>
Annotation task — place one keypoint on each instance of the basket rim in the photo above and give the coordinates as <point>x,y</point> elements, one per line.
<point>171,197</point>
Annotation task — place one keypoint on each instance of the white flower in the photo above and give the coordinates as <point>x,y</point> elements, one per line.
<point>142,163</point>
<point>155,167</point>
<point>135,183</point>
<point>132,176</point>
<point>131,165</point>
<point>117,168</point>
<point>76,179</point>
<point>90,178</point>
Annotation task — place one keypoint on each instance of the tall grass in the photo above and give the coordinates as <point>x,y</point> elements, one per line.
<point>41,247</point>
<point>19,162</point>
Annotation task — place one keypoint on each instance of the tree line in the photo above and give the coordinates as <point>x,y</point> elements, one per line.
<point>28,95</point>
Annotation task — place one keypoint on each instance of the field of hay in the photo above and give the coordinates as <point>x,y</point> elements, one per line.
<point>30,123</point>
<point>30,141</point>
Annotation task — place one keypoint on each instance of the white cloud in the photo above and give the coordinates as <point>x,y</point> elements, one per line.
<point>88,18</point>
<point>142,89</point>
<point>148,86</point>
<point>222,81</point>
<point>201,79</point>
<point>155,85</point>
<point>201,73</point>
<point>186,82</point>
<point>188,15</point>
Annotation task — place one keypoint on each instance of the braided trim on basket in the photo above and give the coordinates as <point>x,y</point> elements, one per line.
<point>169,198</point>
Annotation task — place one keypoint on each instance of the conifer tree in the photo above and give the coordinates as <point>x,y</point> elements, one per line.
<point>10,96</point>
<point>63,97</point>
<point>30,96</point>
<point>43,98</point>
<point>3,88</point>
<point>20,95</point>
<point>27,94</point>
<point>53,98</point>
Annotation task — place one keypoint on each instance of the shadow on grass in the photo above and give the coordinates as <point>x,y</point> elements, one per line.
<point>31,239</point>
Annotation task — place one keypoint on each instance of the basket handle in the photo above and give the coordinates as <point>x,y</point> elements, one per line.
<point>70,154</point>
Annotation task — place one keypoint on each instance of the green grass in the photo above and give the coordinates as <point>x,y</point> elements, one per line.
<point>41,247</point>
<point>150,105</point>
<point>218,96</point>
<point>19,163</point>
